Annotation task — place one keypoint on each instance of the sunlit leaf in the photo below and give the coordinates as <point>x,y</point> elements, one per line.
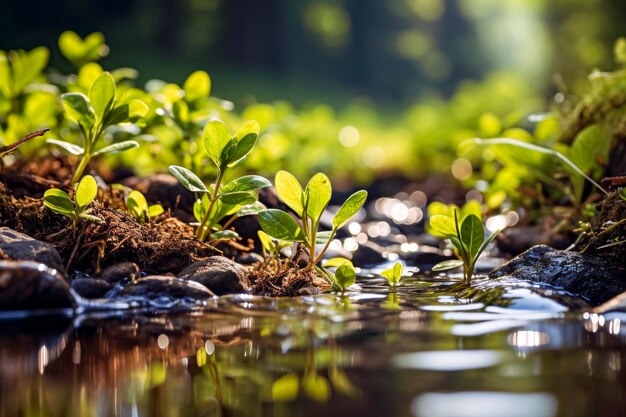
<point>69,147</point>
<point>442,226</point>
<point>446,265</point>
<point>216,136</point>
<point>280,225</point>
<point>285,388</point>
<point>224,234</point>
<point>246,183</point>
<point>319,191</point>
<point>137,204</point>
<point>102,93</point>
<point>78,107</point>
<point>117,147</point>
<point>316,387</point>
<point>345,275</point>
<point>289,190</point>
<point>188,179</point>
<point>197,86</point>
<point>86,191</point>
<point>472,234</point>
<point>349,208</point>
<point>59,202</point>
<point>238,198</point>
<point>155,210</point>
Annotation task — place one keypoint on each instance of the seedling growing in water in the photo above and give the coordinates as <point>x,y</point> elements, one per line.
<point>345,274</point>
<point>60,202</point>
<point>237,198</point>
<point>466,234</point>
<point>309,204</point>
<point>94,113</point>
<point>139,208</point>
<point>393,274</point>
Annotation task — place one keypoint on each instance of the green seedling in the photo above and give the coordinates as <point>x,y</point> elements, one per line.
<point>466,233</point>
<point>94,113</point>
<point>344,276</point>
<point>60,202</point>
<point>309,204</point>
<point>393,274</point>
<point>236,198</point>
<point>139,208</point>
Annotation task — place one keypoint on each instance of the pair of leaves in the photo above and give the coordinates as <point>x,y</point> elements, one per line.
<point>80,51</point>
<point>315,386</point>
<point>345,274</point>
<point>315,197</point>
<point>226,150</point>
<point>19,69</point>
<point>442,217</point>
<point>393,274</point>
<point>138,206</point>
<point>60,202</point>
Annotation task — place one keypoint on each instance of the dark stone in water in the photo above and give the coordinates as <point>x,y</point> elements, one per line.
<point>581,274</point>
<point>21,247</point>
<point>515,240</point>
<point>91,287</point>
<point>117,272</point>
<point>156,286</point>
<point>249,258</point>
<point>217,273</point>
<point>26,285</point>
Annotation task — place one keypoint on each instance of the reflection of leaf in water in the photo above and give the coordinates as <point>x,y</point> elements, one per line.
<point>316,387</point>
<point>342,384</point>
<point>156,375</point>
<point>285,388</point>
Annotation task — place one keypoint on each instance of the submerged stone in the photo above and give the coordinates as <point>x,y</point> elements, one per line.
<point>117,272</point>
<point>21,247</point>
<point>156,286</point>
<point>585,275</point>
<point>217,273</point>
<point>26,285</point>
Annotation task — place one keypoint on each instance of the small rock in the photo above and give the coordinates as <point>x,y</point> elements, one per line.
<point>156,286</point>
<point>217,273</point>
<point>368,253</point>
<point>515,240</point>
<point>117,272</point>
<point>91,287</point>
<point>585,275</point>
<point>21,247</point>
<point>249,258</point>
<point>26,285</point>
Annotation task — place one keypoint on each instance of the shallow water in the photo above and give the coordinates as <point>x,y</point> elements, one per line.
<point>422,350</point>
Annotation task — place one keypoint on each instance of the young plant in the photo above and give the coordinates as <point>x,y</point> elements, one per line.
<point>393,274</point>
<point>236,198</point>
<point>139,208</point>
<point>60,202</point>
<point>309,204</point>
<point>94,113</point>
<point>466,234</point>
<point>344,276</point>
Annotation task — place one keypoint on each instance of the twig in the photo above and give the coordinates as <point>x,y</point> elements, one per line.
<point>6,150</point>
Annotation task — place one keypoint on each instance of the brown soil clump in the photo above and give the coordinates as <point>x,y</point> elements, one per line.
<point>283,278</point>
<point>609,236</point>
<point>162,246</point>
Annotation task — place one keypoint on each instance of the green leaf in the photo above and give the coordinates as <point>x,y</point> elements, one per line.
<point>126,112</point>
<point>188,179</point>
<point>154,210</point>
<point>86,191</point>
<point>216,137</point>
<point>290,191</point>
<point>349,208</point>
<point>316,387</point>
<point>90,217</point>
<point>442,226</point>
<point>337,262</point>
<point>238,198</point>
<point>251,209</point>
<point>102,94</point>
<point>59,202</point>
<point>246,183</point>
<point>78,107</point>
<point>137,204</point>
<point>322,237</point>
<point>200,207</point>
<point>29,67</point>
<point>117,147</point>
<point>280,225</point>
<point>285,388</point>
<point>197,86</point>
<point>472,235</point>
<point>266,241</point>
<point>69,147</point>
<point>345,275</point>
<point>224,234</point>
<point>246,138</point>
<point>319,191</point>
<point>393,274</point>
<point>621,191</point>
<point>446,265</point>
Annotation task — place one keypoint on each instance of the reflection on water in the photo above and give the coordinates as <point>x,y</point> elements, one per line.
<point>416,351</point>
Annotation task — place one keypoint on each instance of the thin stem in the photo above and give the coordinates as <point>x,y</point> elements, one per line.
<point>81,167</point>
<point>319,256</point>
<point>201,233</point>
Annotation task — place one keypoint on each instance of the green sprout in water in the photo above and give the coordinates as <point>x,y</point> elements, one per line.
<point>60,202</point>
<point>309,204</point>
<point>236,198</point>
<point>94,113</point>
<point>393,274</point>
<point>465,230</point>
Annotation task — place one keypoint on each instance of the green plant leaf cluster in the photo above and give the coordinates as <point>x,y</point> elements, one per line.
<point>309,204</point>
<point>466,233</point>
<point>81,51</point>
<point>60,202</point>
<point>95,112</point>
<point>138,206</point>
<point>393,274</point>
<point>236,198</point>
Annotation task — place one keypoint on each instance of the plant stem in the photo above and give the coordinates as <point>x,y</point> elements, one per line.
<point>319,255</point>
<point>201,234</point>
<point>81,167</point>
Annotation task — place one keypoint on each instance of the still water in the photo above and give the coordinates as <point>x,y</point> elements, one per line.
<point>421,350</point>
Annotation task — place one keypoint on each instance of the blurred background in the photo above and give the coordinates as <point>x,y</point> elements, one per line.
<point>360,89</point>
